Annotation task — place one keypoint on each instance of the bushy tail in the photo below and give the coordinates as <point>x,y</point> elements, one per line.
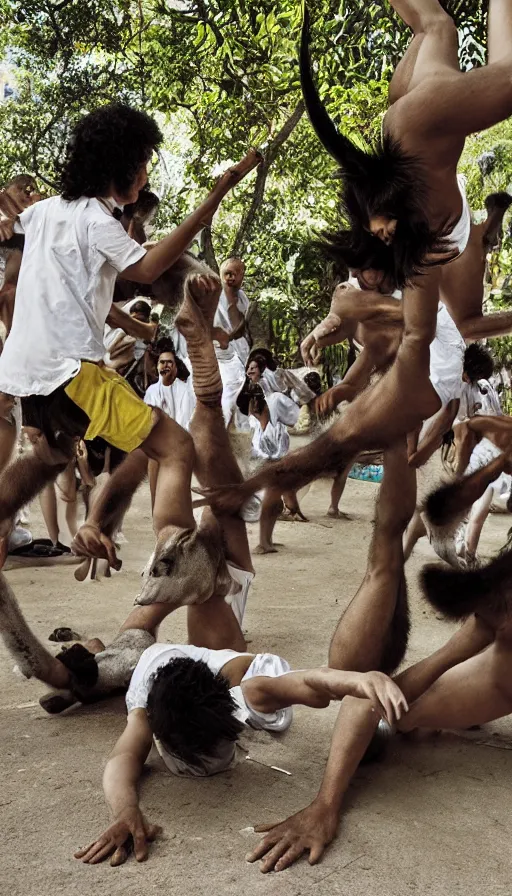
<point>457,594</point>
<point>398,635</point>
<point>447,506</point>
<point>31,656</point>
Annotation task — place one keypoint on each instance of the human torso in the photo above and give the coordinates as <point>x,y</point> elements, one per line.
<point>438,155</point>
<point>64,292</point>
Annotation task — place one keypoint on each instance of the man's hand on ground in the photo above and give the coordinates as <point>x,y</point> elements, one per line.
<point>310,830</point>
<point>130,830</point>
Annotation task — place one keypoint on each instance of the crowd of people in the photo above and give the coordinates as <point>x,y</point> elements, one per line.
<point>97,394</point>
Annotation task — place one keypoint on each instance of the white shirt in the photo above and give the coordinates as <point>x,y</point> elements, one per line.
<point>178,401</point>
<point>73,253</point>
<point>159,655</point>
<point>240,346</point>
<point>270,443</point>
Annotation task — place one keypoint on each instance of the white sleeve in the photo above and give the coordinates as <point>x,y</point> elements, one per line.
<point>150,397</point>
<point>113,243</point>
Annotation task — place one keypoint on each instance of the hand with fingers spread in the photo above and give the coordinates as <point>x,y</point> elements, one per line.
<point>90,541</point>
<point>310,831</point>
<point>130,831</point>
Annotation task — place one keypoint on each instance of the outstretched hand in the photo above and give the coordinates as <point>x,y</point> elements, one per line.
<point>310,830</point>
<point>129,832</point>
<point>385,696</point>
<point>9,211</point>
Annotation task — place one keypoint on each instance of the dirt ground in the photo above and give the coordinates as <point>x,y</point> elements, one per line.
<point>431,819</point>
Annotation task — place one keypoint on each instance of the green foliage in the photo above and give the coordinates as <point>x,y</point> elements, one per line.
<point>222,75</point>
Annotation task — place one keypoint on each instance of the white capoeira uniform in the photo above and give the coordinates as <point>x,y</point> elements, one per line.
<point>231,359</point>
<point>270,443</point>
<point>481,456</point>
<point>178,400</point>
<point>266,664</point>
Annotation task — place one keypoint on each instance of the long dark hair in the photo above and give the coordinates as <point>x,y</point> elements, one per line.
<point>384,181</point>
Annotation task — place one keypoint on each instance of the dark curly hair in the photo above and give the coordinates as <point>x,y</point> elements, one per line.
<point>107,147</point>
<point>191,711</point>
<point>478,363</point>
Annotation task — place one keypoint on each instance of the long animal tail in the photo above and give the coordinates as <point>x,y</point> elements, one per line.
<point>457,594</point>
<point>446,506</point>
<point>31,656</point>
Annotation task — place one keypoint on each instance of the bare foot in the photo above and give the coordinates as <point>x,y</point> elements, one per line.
<point>267,549</point>
<point>292,516</point>
<point>336,514</point>
<point>201,297</point>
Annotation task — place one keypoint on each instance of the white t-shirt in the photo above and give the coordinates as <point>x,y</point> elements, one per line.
<point>158,655</point>
<point>73,253</point>
<point>178,401</point>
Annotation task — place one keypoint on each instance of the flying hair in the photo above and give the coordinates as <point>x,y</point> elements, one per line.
<point>383,181</point>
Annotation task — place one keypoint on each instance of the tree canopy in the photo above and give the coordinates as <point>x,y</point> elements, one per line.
<point>221,75</point>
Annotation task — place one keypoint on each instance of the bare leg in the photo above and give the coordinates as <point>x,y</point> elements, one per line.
<point>396,405</point>
<point>271,507</point>
<point>152,474</point>
<point>372,633</point>
<point>477,518</point>
<point>33,659</point>
<point>20,483</point>
<point>415,530</point>
<point>338,487</point>
<point>67,494</point>
<point>48,502</point>
<point>472,693</point>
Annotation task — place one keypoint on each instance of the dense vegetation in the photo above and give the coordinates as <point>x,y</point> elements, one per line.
<point>221,75</point>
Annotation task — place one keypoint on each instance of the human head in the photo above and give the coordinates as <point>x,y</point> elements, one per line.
<point>108,154</point>
<point>191,711</point>
<point>141,311</point>
<point>23,189</point>
<point>255,368</point>
<point>383,196</point>
<point>232,272</point>
<point>167,368</point>
<point>256,399</point>
<point>478,363</point>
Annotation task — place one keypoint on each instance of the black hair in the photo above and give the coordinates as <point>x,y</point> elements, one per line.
<point>478,363</point>
<point>146,204</point>
<point>384,181</point>
<point>191,711</point>
<point>314,381</point>
<point>141,307</point>
<point>162,346</point>
<point>259,360</point>
<point>107,147</point>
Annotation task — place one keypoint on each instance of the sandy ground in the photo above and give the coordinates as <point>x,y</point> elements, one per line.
<point>433,818</point>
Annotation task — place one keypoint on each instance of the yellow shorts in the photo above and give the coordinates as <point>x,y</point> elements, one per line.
<point>115,412</point>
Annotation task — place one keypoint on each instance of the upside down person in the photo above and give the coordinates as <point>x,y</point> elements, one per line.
<point>407,215</point>
<point>52,357</point>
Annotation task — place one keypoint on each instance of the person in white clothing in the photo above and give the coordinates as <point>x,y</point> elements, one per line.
<point>171,394</point>
<point>75,246</point>
<point>233,353</point>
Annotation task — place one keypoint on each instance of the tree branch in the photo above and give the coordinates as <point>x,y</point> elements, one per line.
<point>261,177</point>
